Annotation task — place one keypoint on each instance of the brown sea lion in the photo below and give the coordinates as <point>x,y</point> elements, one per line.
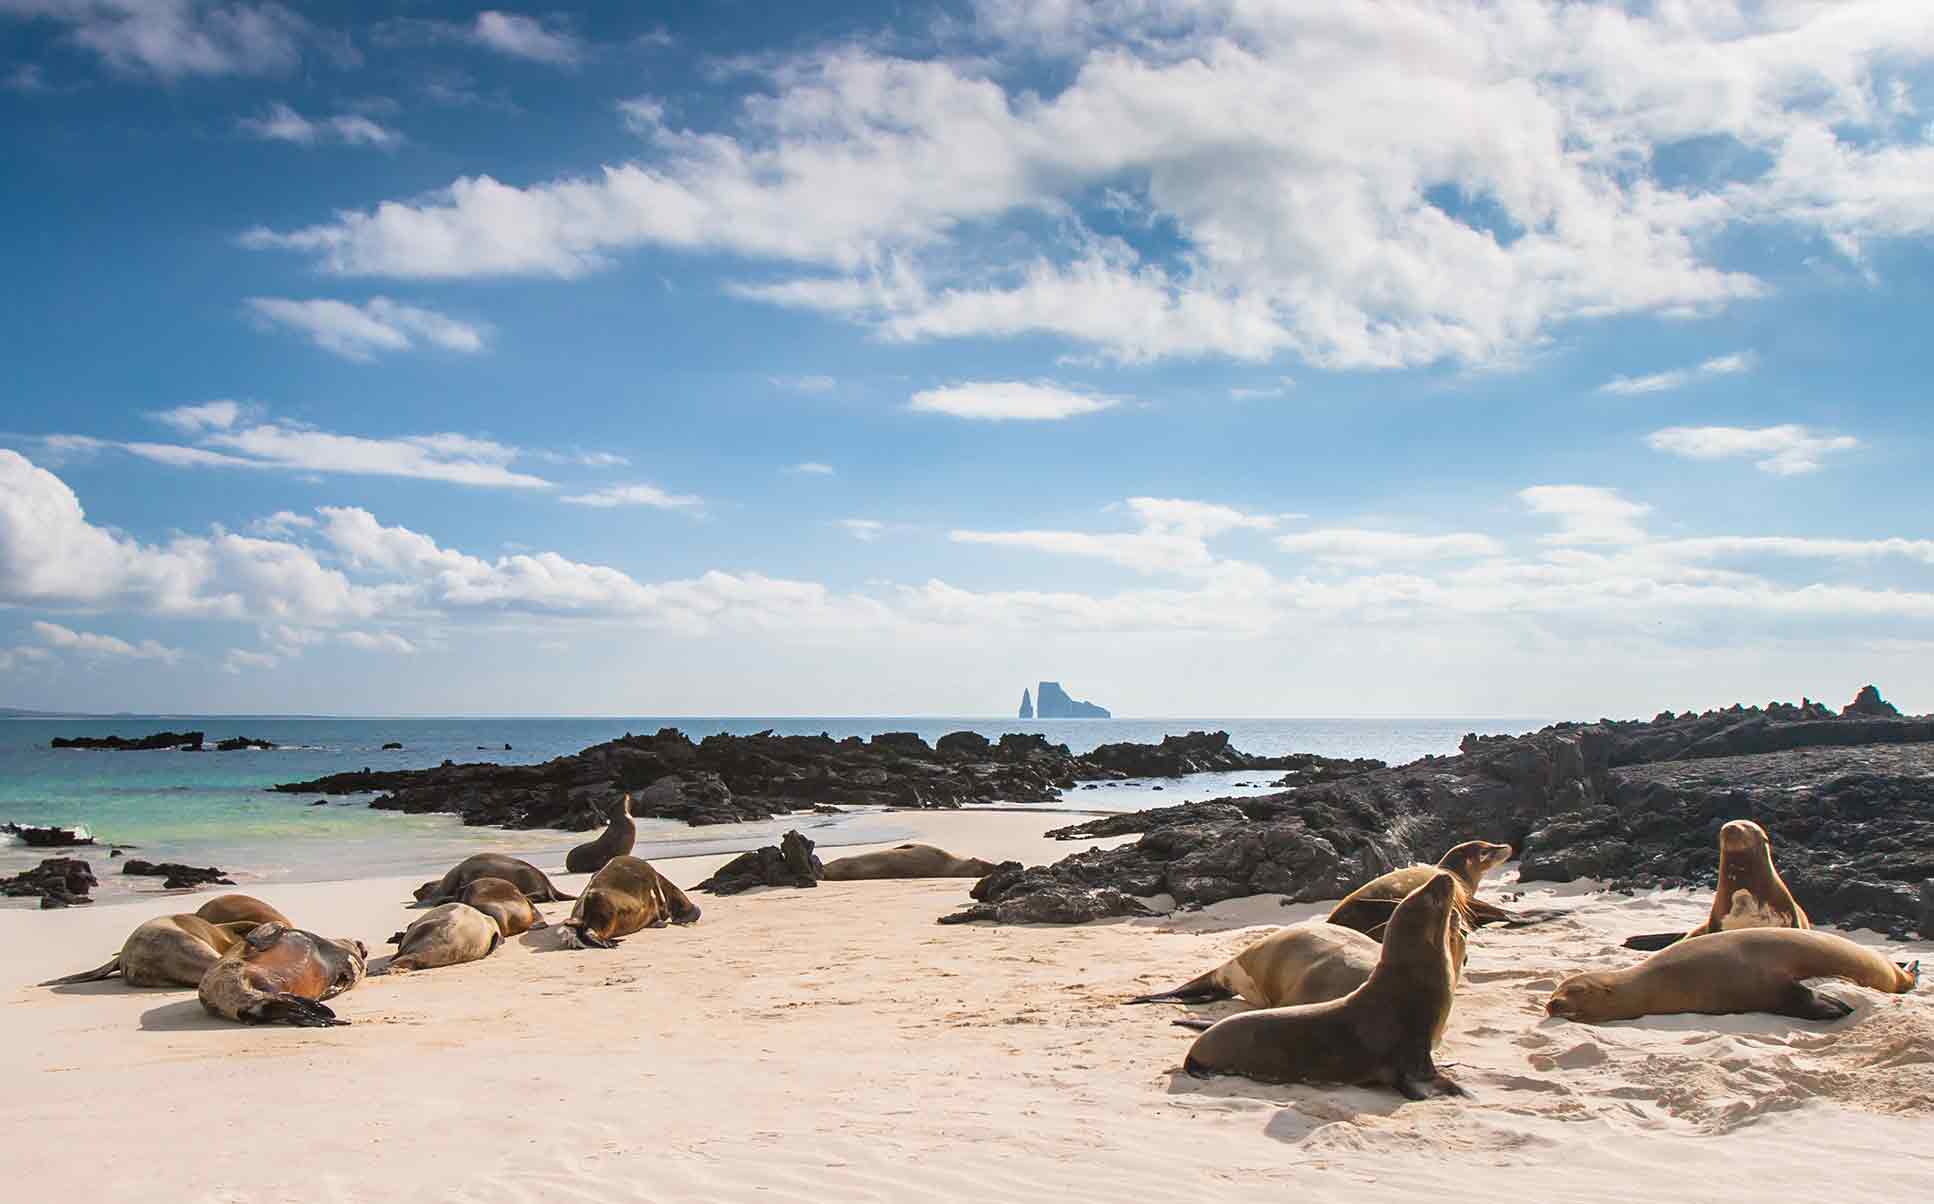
<point>231,909</point>
<point>624,897</point>
<point>1739,970</point>
<point>448,934</point>
<point>1303,963</point>
<point>906,861</point>
<point>521,874</point>
<point>503,903</point>
<point>169,951</point>
<point>1368,908</point>
<point>615,841</point>
<point>1751,893</point>
<point>1380,1033</point>
<point>278,974</point>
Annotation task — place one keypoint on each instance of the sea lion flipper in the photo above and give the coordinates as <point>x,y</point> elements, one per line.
<point>109,970</point>
<point>291,1009</point>
<point>1804,1003</point>
<point>264,936</point>
<point>1198,1023</point>
<point>1201,989</point>
<point>1652,942</point>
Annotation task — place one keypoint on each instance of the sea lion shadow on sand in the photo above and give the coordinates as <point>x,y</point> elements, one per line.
<point>112,987</point>
<point>185,1015</point>
<point>1295,1110</point>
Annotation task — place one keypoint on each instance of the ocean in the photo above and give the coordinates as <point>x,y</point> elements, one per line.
<point>213,808</point>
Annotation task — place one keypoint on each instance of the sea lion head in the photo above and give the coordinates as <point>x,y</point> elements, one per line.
<point>1581,997</point>
<point>1473,859</point>
<point>594,920</point>
<point>426,890</point>
<point>1743,836</point>
<point>1425,913</point>
<point>355,949</point>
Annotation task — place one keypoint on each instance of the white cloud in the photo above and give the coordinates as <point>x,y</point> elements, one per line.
<point>283,124</point>
<point>1173,537</point>
<point>1660,382</point>
<point>1005,400</point>
<point>212,415</point>
<point>635,495</point>
<point>239,659</point>
<point>170,39</point>
<point>1357,547</point>
<point>864,529</point>
<point>1464,177</point>
<point>1281,388</point>
<point>526,38</point>
<point>812,468</point>
<point>1786,450</point>
<point>282,522</point>
<point>805,384</point>
<point>1587,514</point>
<point>359,332</point>
<point>377,641</point>
<point>67,639</point>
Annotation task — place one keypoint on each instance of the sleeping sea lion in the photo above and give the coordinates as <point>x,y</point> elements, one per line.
<point>1368,908</point>
<point>1303,963</point>
<point>624,897</point>
<point>1739,970</point>
<point>1380,1033</point>
<point>446,935</point>
<point>503,903</point>
<point>170,951</point>
<point>615,841</point>
<point>280,974</point>
<point>906,861</point>
<point>521,874</point>
<point>230,909</point>
<point>1751,893</point>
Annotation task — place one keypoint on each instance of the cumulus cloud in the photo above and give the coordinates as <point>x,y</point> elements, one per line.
<point>1587,514</point>
<point>1661,382</point>
<point>526,38</point>
<point>635,495</point>
<point>361,332</point>
<point>1008,400</point>
<point>377,641</point>
<point>93,644</point>
<point>1462,178</point>
<point>170,39</point>
<point>283,124</point>
<point>1786,450</point>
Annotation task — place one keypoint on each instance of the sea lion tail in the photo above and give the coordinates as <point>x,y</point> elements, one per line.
<point>1200,1024</point>
<point>1201,989</point>
<point>112,968</point>
<point>1652,942</point>
<point>290,1009</point>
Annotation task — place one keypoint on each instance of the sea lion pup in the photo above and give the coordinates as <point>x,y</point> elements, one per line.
<point>278,974</point>
<point>1751,893</point>
<point>1303,963</point>
<point>231,909</point>
<point>521,874</point>
<point>615,841</point>
<point>1739,970</point>
<point>446,935</point>
<point>170,951</point>
<point>1380,1033</point>
<point>503,903</point>
<point>624,897</point>
<point>906,861</point>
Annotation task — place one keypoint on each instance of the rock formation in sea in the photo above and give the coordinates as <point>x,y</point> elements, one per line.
<point>1027,704</point>
<point>1052,702</point>
<point>177,876</point>
<point>726,778</point>
<point>47,837</point>
<point>189,741</point>
<point>57,881</point>
<point>1634,804</point>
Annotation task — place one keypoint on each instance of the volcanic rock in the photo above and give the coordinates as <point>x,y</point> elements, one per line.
<point>790,863</point>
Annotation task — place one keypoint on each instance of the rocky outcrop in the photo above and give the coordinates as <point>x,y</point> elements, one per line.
<point>47,838</point>
<point>1027,705</point>
<point>185,741</point>
<point>1849,803</point>
<point>1014,895</point>
<point>177,875</point>
<point>727,779</point>
<point>790,863</point>
<point>1207,752</point>
<point>239,743</point>
<point>1052,702</point>
<point>57,881</point>
<point>1869,702</point>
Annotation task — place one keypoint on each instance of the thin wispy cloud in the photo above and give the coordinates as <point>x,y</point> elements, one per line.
<point>1008,401</point>
<point>1786,450</point>
<point>635,495</point>
<point>527,38</point>
<point>812,468</point>
<point>362,332</point>
<point>805,384</point>
<point>283,124</point>
<point>1662,382</point>
<point>90,643</point>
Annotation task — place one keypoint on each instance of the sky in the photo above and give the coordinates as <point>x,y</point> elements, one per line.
<point>1403,357</point>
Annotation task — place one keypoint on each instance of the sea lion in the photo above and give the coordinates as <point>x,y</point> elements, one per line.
<point>624,897</point>
<point>169,951</point>
<point>503,903</point>
<point>446,935</point>
<point>1739,970</point>
<point>280,974</point>
<point>231,909</point>
<point>1751,893</point>
<point>1369,907</point>
<point>1303,963</point>
<point>615,841</point>
<point>906,861</point>
<point>521,874</point>
<point>1380,1033</point>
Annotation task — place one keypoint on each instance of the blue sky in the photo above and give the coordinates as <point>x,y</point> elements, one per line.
<point>1412,358</point>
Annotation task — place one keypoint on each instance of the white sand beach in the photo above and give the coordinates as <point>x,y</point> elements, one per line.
<point>837,1044</point>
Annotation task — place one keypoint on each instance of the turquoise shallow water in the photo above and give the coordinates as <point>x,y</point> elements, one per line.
<point>212,808</point>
